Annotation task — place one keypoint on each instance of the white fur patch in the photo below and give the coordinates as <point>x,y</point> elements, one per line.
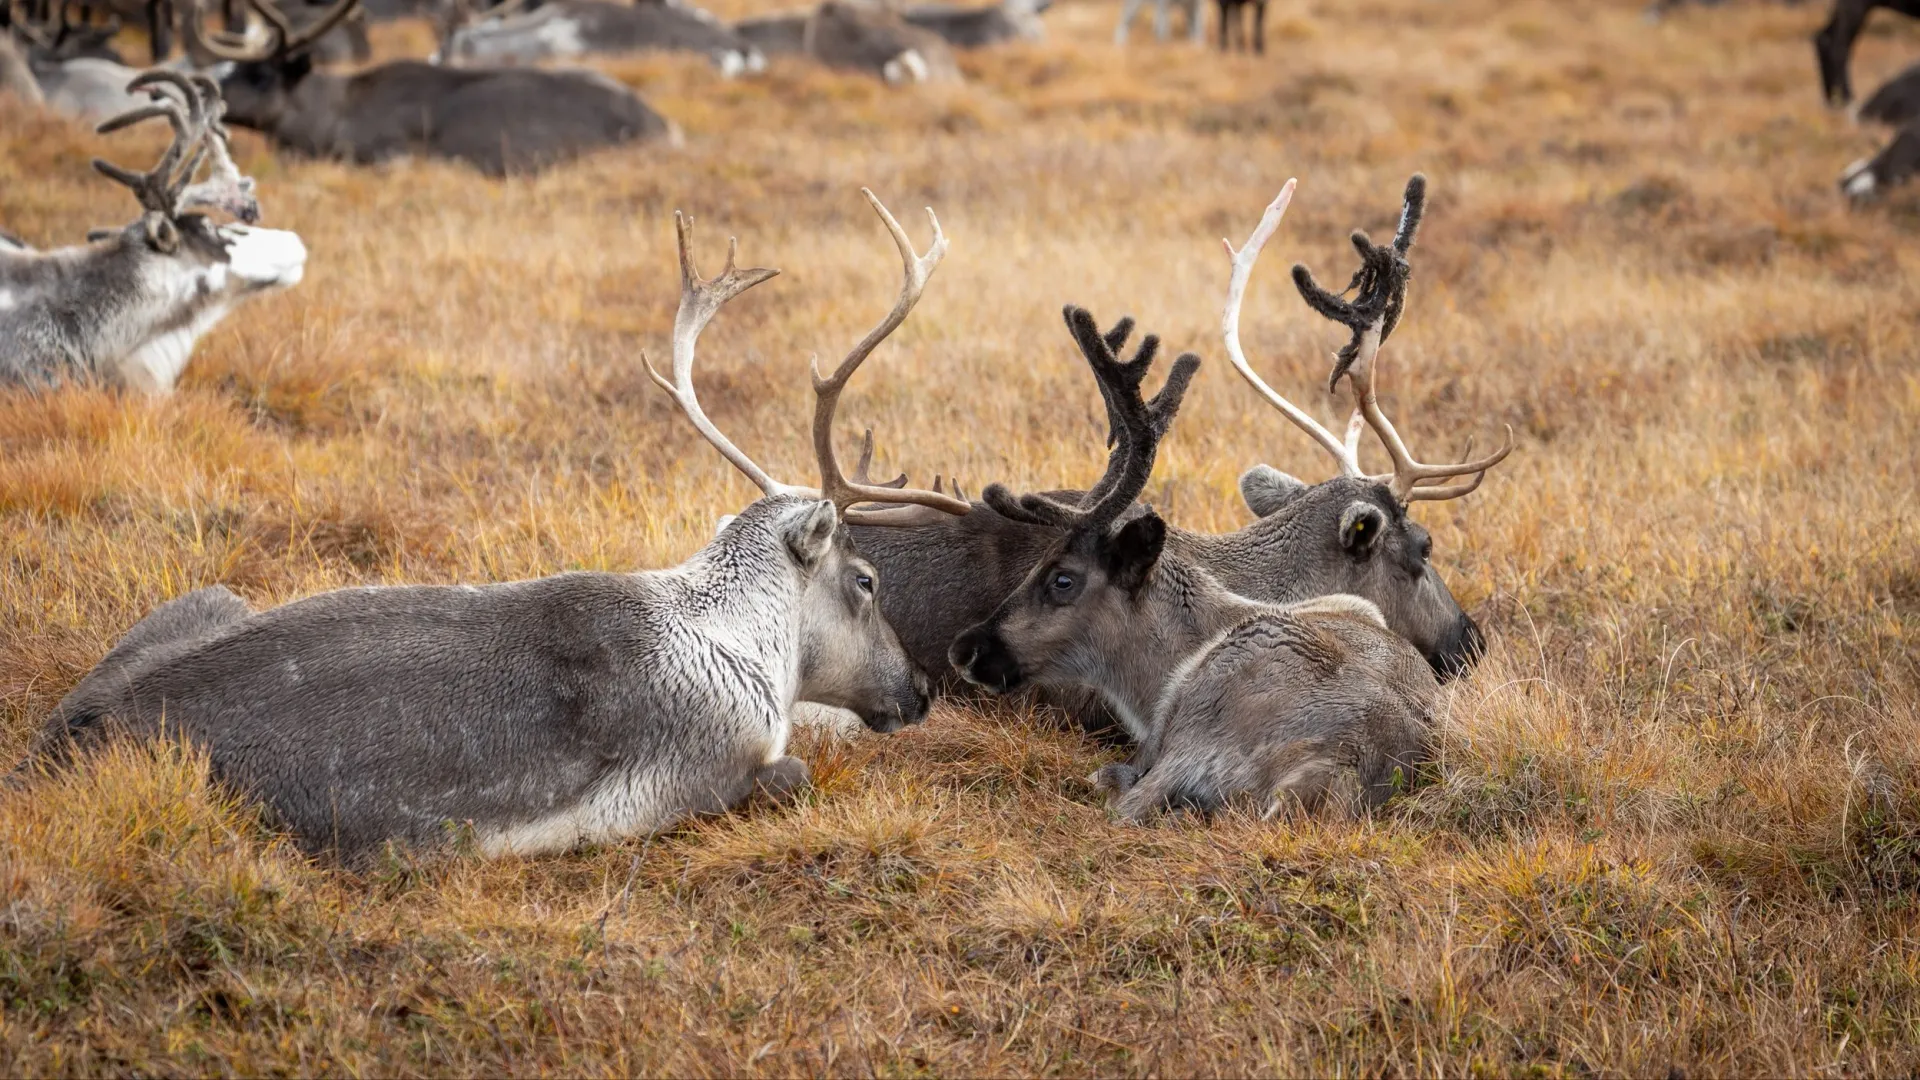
<point>909,66</point>
<point>732,63</point>
<point>1858,179</point>
<point>1340,603</point>
<point>7,301</point>
<point>265,258</point>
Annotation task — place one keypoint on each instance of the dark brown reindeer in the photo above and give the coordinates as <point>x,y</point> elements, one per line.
<point>1350,534</point>
<point>1233,29</point>
<point>1896,104</point>
<point>1230,699</point>
<point>856,36</point>
<point>499,120</point>
<point>1833,44</point>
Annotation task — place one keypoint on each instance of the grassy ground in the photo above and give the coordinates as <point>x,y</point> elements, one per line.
<point>1678,823</point>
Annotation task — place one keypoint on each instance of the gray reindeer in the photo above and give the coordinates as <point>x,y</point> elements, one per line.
<point>501,121</point>
<point>856,36</point>
<point>127,308</point>
<point>1230,699</point>
<point>1349,534</point>
<point>573,28</point>
<point>543,714</point>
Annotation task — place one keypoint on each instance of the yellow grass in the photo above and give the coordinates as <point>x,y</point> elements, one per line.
<point>1676,824</point>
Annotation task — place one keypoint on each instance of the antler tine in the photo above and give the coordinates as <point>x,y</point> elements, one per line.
<point>1139,425</point>
<point>1371,316</point>
<point>834,484</point>
<point>699,300</point>
<point>1242,270</point>
<point>220,45</point>
<point>224,188</point>
<point>1409,472</point>
<point>158,189</point>
<point>286,41</point>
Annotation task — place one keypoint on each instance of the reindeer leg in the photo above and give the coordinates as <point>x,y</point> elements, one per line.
<point>1260,27</point>
<point>1162,19</point>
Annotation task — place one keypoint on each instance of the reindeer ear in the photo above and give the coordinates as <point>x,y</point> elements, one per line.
<point>1134,551</point>
<point>1361,526</point>
<point>810,534</point>
<point>1267,489</point>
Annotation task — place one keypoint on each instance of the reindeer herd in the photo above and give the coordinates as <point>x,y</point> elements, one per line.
<point>1289,666</point>
<point>1292,665</point>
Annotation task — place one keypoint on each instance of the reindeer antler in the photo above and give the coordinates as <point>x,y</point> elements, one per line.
<point>1381,284</point>
<point>166,189</point>
<point>1136,427</point>
<point>834,484</point>
<point>701,298</point>
<point>282,40</point>
<point>1380,299</point>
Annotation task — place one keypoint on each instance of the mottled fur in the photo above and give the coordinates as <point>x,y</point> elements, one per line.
<point>1291,706</point>
<point>580,708</point>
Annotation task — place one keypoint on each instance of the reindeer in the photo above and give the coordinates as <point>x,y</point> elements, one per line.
<point>1833,43</point>
<point>979,27</point>
<point>1230,699</point>
<point>572,28</point>
<point>1196,25</point>
<point>1895,104</point>
<point>856,37</point>
<point>543,714</point>
<point>127,308</point>
<point>1350,534</point>
<point>501,121</point>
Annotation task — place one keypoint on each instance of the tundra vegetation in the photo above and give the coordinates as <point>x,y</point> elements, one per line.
<point>1672,822</point>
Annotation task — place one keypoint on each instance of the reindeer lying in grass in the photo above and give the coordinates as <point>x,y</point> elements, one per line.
<point>855,36</point>
<point>499,120</point>
<point>1230,699</point>
<point>127,309</point>
<point>573,28</point>
<point>579,708</point>
<point>1350,534</point>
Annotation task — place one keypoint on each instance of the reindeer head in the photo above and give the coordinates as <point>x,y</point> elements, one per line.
<point>1359,537</point>
<point>187,269</point>
<point>1086,590</point>
<point>850,656</point>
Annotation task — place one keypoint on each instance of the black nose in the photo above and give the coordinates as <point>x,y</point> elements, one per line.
<point>1461,649</point>
<point>983,659</point>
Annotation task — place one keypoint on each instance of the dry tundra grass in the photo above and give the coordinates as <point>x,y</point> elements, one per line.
<point>1677,825</point>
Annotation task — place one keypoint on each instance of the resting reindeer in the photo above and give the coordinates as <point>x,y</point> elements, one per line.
<point>499,120</point>
<point>979,27</point>
<point>856,37</point>
<point>573,28</point>
<point>127,308</point>
<point>1230,699</point>
<point>1350,534</point>
<point>579,708</point>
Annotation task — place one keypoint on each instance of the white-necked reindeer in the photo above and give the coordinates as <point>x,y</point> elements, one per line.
<point>127,308</point>
<point>583,707</point>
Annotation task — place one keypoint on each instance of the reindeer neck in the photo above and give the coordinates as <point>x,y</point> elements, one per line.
<point>1181,609</point>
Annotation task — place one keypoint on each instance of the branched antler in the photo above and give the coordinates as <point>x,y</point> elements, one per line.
<point>700,298</point>
<point>282,39</point>
<point>1136,427</point>
<point>1381,284</point>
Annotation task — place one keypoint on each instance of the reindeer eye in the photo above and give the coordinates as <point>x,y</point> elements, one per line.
<point>1061,582</point>
<point>865,581</point>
